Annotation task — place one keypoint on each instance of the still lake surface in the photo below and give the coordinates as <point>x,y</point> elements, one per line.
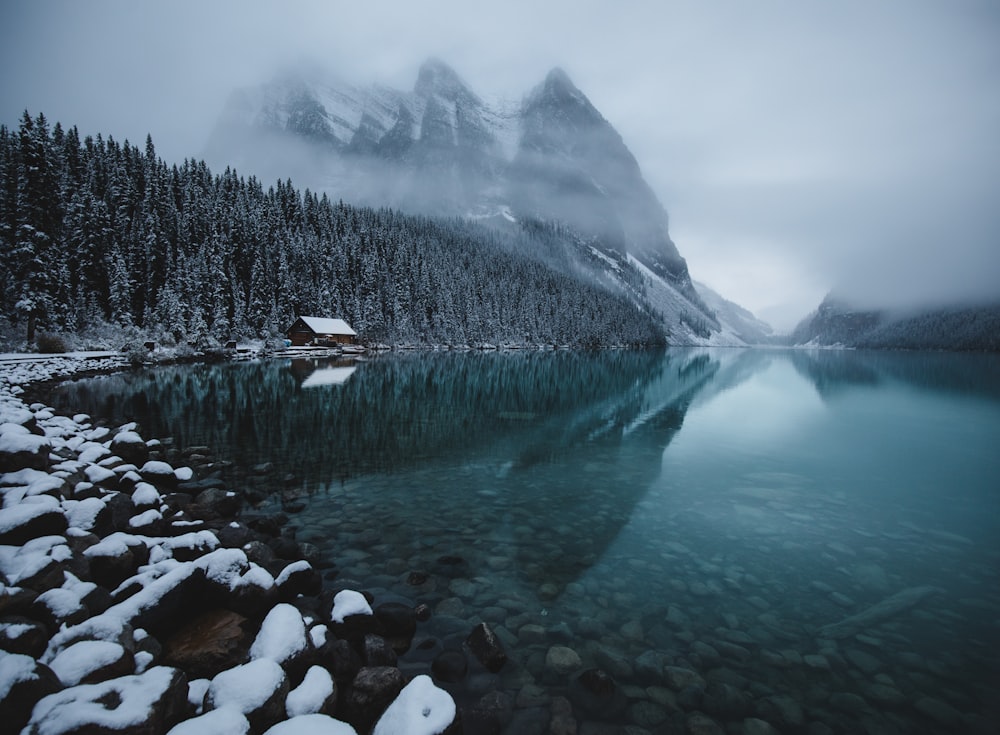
<point>805,537</point>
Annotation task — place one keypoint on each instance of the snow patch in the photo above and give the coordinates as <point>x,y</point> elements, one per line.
<point>349,602</point>
<point>282,635</point>
<point>312,725</point>
<point>309,696</point>
<point>420,709</point>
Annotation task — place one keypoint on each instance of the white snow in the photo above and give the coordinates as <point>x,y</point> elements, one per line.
<point>223,721</point>
<point>18,515</point>
<point>145,494</point>
<point>14,668</point>
<point>142,660</point>
<point>308,697</point>
<point>282,635</point>
<point>349,602</point>
<point>127,437</point>
<point>183,474</point>
<point>18,563</point>
<point>420,709</point>
<point>144,519</point>
<point>97,474</point>
<point>296,566</point>
<point>196,693</point>
<point>83,658</point>
<point>317,634</point>
<point>245,687</point>
<point>61,602</point>
<point>311,725</point>
<point>13,441</point>
<point>92,453</point>
<point>83,513</point>
<point>81,706</point>
<point>156,467</point>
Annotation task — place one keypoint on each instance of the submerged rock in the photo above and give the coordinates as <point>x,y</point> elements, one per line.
<point>883,610</point>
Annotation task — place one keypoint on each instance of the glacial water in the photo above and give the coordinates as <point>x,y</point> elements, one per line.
<point>808,538</point>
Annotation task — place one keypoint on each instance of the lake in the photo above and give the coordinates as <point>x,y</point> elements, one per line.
<point>810,538</point>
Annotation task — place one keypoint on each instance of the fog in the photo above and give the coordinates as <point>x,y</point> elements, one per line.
<point>797,147</point>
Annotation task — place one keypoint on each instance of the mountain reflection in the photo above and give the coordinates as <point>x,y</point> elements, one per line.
<point>508,423</point>
<point>836,371</point>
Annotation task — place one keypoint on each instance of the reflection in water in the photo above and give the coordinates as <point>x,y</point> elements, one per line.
<point>510,416</point>
<point>836,371</point>
<point>732,512</point>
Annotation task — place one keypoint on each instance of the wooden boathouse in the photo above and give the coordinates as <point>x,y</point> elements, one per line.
<point>314,330</point>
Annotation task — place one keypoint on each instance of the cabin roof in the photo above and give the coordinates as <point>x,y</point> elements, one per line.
<point>320,325</point>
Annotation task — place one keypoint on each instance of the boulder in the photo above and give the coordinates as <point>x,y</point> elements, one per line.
<point>423,709</point>
<point>25,521</point>
<point>595,694</point>
<point>20,449</point>
<point>89,662</point>
<point>144,704</point>
<point>562,661</point>
<point>19,634</point>
<point>340,659</point>
<point>450,666</point>
<point>483,643</point>
<point>317,694</point>
<point>213,642</point>
<point>215,502</point>
<point>313,725</point>
<point>159,474</point>
<point>23,682</point>
<point>490,714</point>
<point>375,651</point>
<point>283,638</point>
<point>225,721</point>
<point>130,447</point>
<point>400,624</point>
<point>257,689</point>
<point>371,692</point>
<point>298,578</point>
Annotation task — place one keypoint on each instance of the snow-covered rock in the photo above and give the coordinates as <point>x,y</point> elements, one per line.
<point>89,661</point>
<point>138,704</point>
<point>420,709</point>
<point>282,635</point>
<point>222,721</point>
<point>347,603</point>
<point>257,689</point>
<point>317,694</point>
<point>312,725</point>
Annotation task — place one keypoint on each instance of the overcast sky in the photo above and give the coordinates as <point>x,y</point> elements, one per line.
<point>797,146</point>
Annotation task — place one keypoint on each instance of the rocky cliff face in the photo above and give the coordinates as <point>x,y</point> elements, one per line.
<point>441,149</point>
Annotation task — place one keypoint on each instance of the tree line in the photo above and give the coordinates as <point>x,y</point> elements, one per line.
<point>94,232</point>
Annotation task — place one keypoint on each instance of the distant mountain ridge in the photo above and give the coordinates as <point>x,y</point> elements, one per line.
<point>441,149</point>
<point>836,322</point>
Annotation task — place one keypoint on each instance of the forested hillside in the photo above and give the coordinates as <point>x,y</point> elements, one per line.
<point>95,233</point>
<point>961,327</point>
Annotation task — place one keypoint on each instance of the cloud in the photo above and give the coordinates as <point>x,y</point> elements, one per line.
<point>846,145</point>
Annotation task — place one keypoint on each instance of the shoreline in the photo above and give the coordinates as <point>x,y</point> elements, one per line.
<point>137,597</point>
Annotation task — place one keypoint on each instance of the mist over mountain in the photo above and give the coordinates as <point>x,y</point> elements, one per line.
<point>970,326</point>
<point>442,149</point>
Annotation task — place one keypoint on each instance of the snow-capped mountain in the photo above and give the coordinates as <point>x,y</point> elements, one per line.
<point>442,149</point>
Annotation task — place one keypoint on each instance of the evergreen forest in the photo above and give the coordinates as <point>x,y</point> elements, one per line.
<point>96,235</point>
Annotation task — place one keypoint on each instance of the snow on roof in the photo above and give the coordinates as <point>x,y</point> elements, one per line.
<point>328,326</point>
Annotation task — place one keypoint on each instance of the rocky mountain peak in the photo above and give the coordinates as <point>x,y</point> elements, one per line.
<point>436,78</point>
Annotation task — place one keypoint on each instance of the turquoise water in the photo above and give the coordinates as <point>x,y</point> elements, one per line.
<point>811,538</point>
